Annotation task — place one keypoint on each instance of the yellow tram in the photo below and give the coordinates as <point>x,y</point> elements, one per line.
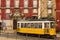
<point>37,27</point>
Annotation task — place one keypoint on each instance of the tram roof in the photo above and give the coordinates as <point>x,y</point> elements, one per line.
<point>33,21</point>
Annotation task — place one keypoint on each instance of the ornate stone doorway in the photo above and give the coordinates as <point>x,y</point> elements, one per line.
<point>15,16</point>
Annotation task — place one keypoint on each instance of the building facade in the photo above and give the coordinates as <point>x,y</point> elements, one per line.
<point>26,7</point>
<point>37,8</point>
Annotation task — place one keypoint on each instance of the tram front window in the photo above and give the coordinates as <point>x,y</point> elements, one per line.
<point>52,24</point>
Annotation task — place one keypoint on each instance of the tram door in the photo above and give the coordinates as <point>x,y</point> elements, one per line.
<point>14,24</point>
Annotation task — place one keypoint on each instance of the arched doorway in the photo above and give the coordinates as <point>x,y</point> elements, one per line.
<point>16,15</point>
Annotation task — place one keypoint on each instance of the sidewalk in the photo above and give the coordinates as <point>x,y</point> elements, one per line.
<point>58,35</point>
<point>8,35</point>
<point>8,31</point>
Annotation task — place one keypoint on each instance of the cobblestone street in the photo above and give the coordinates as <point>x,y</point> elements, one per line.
<point>13,36</point>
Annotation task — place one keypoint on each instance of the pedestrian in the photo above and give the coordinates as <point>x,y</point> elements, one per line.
<point>4,26</point>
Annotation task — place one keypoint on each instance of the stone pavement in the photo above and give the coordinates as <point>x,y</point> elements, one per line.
<point>11,35</point>
<point>5,35</point>
<point>4,38</point>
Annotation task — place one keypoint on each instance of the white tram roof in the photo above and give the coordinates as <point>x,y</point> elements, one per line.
<point>33,21</point>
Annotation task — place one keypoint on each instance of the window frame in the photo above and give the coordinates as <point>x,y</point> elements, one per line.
<point>25,10</point>
<point>49,3</point>
<point>35,3</point>
<point>25,3</point>
<point>7,10</point>
<point>16,5</point>
<point>7,3</point>
<point>35,10</point>
<point>49,11</point>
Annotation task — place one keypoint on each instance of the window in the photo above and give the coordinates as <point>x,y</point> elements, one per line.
<point>25,10</point>
<point>7,10</point>
<point>34,10</point>
<point>0,10</point>
<point>40,25</point>
<point>32,25</point>
<point>0,17</point>
<point>49,4</point>
<point>24,25</point>
<point>8,3</point>
<point>0,3</point>
<point>25,3</point>
<point>36,25</point>
<point>46,25</point>
<point>18,25</point>
<point>49,10</point>
<point>16,3</point>
<point>52,24</point>
<point>34,3</point>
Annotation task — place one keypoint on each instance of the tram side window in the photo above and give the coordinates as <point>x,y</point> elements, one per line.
<point>40,25</point>
<point>23,25</point>
<point>28,25</point>
<point>52,24</point>
<point>36,25</point>
<point>46,25</point>
<point>32,25</point>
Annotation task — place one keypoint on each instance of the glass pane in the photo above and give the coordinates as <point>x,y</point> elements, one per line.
<point>46,25</point>
<point>34,3</point>
<point>7,10</point>
<point>34,10</point>
<point>49,10</point>
<point>25,10</point>
<point>28,25</point>
<point>32,25</point>
<point>16,3</point>
<point>21,24</point>
<point>49,4</point>
<point>36,25</point>
<point>25,3</point>
<point>8,3</point>
<point>40,25</point>
<point>52,24</point>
